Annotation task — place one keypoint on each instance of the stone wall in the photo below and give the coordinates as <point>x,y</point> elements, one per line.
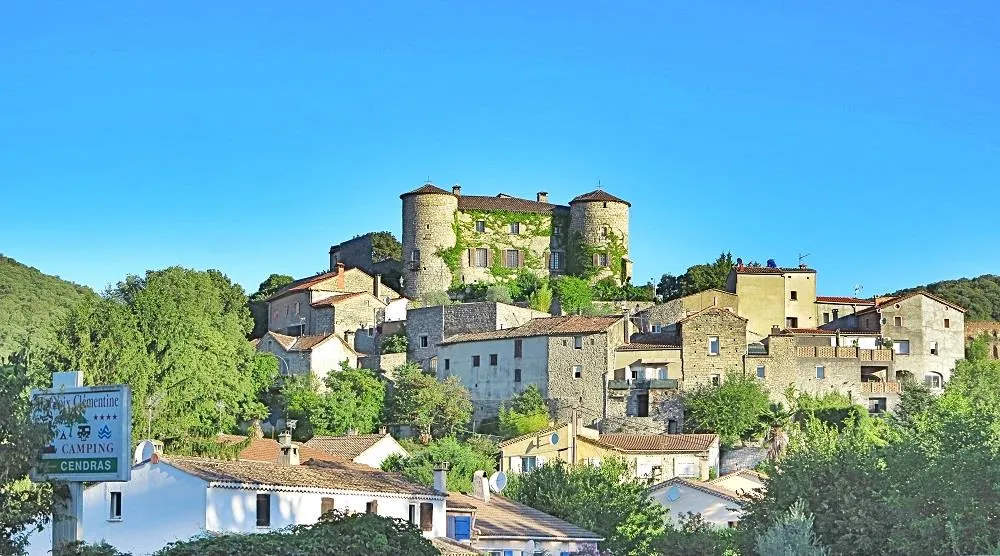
<point>424,321</point>
<point>385,362</point>
<point>665,405</point>
<point>922,321</point>
<point>534,248</point>
<point>564,390</point>
<point>784,367</point>
<point>287,311</point>
<point>699,365</point>
<point>990,331</point>
<point>428,221</point>
<point>588,219</point>
<point>355,252</point>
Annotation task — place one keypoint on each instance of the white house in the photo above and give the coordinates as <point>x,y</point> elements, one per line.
<point>716,504</point>
<point>172,498</point>
<point>369,449</point>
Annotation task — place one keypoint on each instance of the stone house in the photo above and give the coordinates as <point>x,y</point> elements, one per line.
<point>568,358</point>
<point>661,317</point>
<point>451,239</point>
<point>771,296</point>
<point>653,457</point>
<point>426,327</point>
<point>833,308</point>
<point>360,252</point>
<point>988,329</point>
<point>318,354</point>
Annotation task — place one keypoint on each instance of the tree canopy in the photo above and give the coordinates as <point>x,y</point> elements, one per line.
<point>421,400</point>
<point>351,399</point>
<point>465,458</point>
<point>980,296</point>
<point>33,307</point>
<point>177,337</point>
<point>733,409</point>
<point>575,295</point>
<point>698,278</point>
<point>527,412</point>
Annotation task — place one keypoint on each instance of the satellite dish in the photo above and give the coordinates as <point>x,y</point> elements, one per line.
<point>498,481</point>
<point>554,439</point>
<point>145,450</point>
<point>673,493</point>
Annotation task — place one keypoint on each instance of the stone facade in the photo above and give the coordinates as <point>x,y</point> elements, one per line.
<point>359,253</point>
<point>782,297</point>
<point>450,239</point>
<point>703,363</point>
<point>661,316</point>
<point>985,329</point>
<point>586,389</point>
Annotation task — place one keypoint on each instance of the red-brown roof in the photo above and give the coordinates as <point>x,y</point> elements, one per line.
<point>843,300</point>
<point>349,446</point>
<point>712,309</point>
<point>503,518</point>
<point>503,202</point>
<point>659,442</point>
<point>646,346</point>
<point>546,326</point>
<point>808,331</point>
<point>768,270</point>
<point>299,343</point>
<point>426,189</point>
<point>598,195</point>
<point>893,300</point>
<point>267,449</point>
<point>335,299</point>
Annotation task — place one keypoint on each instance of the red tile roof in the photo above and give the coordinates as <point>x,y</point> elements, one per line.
<point>335,299</point>
<point>304,284</point>
<point>598,195</point>
<point>646,346</point>
<point>807,331</point>
<point>267,449</point>
<point>503,202</point>
<point>659,442</point>
<point>546,326</point>
<point>503,518</point>
<point>299,343</point>
<point>843,300</point>
<point>426,189</point>
<point>711,309</point>
<point>554,428</point>
<point>768,270</point>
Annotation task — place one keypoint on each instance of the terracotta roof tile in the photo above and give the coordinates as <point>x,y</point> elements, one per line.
<point>448,547</point>
<point>807,331</point>
<point>651,341</point>
<point>768,270</point>
<point>545,326</point>
<point>426,189</point>
<point>712,309</point>
<point>335,299</point>
<point>267,449</point>
<point>843,300</point>
<point>882,302</point>
<point>320,474</point>
<point>348,446</point>
<point>659,442</point>
<point>504,202</point>
<point>708,488</point>
<point>504,518</point>
<point>598,195</point>
<point>299,343</point>
<point>310,283</point>
<point>639,346</point>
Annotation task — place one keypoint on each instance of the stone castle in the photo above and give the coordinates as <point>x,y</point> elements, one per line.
<point>450,239</point>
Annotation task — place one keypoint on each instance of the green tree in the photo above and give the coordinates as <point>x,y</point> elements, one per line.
<point>607,500</point>
<point>733,409</point>
<point>359,533</point>
<point>396,342</point>
<point>574,294</point>
<point>791,536</point>
<point>707,276</point>
<point>177,337</point>
<point>693,536</point>
<point>980,296</point>
<point>419,399</point>
<point>350,399</point>
<point>670,287</point>
<point>541,298</point>
<point>270,286</point>
<point>386,247</point>
<point>498,293</point>
<point>524,285</point>
<point>527,412</point>
<point>465,458</point>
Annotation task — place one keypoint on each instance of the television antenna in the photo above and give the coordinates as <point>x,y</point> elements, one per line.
<point>802,258</point>
<point>858,288</point>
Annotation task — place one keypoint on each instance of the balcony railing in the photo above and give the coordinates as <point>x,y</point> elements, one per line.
<point>844,352</point>
<point>882,387</point>
<point>664,383</point>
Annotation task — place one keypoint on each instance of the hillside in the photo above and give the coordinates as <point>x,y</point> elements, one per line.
<point>32,303</point>
<point>980,296</point>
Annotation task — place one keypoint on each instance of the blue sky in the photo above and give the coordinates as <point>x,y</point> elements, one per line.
<point>250,136</point>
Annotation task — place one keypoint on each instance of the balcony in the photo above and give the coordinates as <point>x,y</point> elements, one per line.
<point>844,352</point>
<point>641,383</point>
<point>882,387</point>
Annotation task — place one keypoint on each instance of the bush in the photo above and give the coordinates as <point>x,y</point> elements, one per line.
<point>396,343</point>
<point>541,298</point>
<point>792,536</point>
<point>734,409</point>
<point>575,295</point>
<point>465,458</point>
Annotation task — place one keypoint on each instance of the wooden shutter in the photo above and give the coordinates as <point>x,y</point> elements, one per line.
<point>520,258</point>
<point>326,505</point>
<point>263,510</point>
<point>426,516</point>
<point>489,257</point>
<point>469,253</point>
<point>547,258</point>
<point>372,507</point>
<point>597,261</point>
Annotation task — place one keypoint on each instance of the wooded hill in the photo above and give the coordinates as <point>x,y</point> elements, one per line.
<point>980,296</point>
<point>32,306</point>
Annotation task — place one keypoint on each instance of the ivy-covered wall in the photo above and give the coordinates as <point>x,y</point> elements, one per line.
<point>582,255</point>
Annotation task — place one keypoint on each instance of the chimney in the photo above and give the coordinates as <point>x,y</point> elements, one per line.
<point>441,476</point>
<point>340,276</point>
<point>775,330</point>
<point>377,287</point>
<point>456,190</point>
<point>542,197</point>
<point>352,432</point>
<point>382,430</point>
<point>481,486</point>
<point>288,452</point>
<point>628,327</point>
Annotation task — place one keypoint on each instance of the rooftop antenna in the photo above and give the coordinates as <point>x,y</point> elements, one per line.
<point>858,288</point>
<point>802,258</point>
<point>290,425</point>
<point>428,179</point>
<point>599,183</point>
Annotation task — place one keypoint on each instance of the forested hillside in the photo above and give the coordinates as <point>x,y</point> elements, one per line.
<point>980,296</point>
<point>32,305</point>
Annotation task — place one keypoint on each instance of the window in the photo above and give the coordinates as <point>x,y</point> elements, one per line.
<point>947,323</point>
<point>512,258</point>
<point>371,507</point>
<point>556,230</point>
<point>793,295</point>
<point>934,349</point>
<point>554,260</point>
<point>932,380</point>
<point>528,463</point>
<point>415,255</point>
<point>447,364</point>
<point>371,332</point>
<point>115,513</point>
<point>867,322</point>
<point>482,259</point>
<point>288,310</point>
<point>298,308</point>
<point>672,427</point>
<point>604,204</point>
<point>515,227</point>
<point>325,505</point>
<point>423,340</point>
<point>635,372</point>
<point>820,371</point>
<point>263,510</point>
<point>518,348</point>
<point>836,314</point>
<point>517,375</point>
<point>791,322</point>
<point>716,380</point>
<point>605,232</point>
<point>602,260</point>
<point>761,372</point>
<point>493,359</point>
<point>661,373</point>
<point>713,345</point>
<point>826,318</point>
<point>642,403</point>
<point>475,360</point>
<point>413,514</point>
<point>657,328</point>
<point>480,226</point>
<point>578,342</point>
<point>901,347</point>
<point>897,321</point>
<point>426,516</point>
<point>577,371</point>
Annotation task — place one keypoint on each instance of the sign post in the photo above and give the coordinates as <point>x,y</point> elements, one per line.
<point>93,448</point>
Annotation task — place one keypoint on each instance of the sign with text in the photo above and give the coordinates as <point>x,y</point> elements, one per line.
<point>93,446</point>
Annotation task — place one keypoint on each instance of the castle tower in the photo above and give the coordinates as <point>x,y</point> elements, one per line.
<point>428,226</point>
<point>599,221</point>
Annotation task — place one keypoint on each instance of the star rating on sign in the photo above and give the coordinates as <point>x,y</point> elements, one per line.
<point>105,417</point>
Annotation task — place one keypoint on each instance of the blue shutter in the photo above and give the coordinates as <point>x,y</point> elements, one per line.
<point>450,529</point>
<point>564,554</point>
<point>508,553</point>
<point>463,528</point>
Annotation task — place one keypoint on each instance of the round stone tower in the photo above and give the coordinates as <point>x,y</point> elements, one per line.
<point>600,220</point>
<point>428,219</point>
